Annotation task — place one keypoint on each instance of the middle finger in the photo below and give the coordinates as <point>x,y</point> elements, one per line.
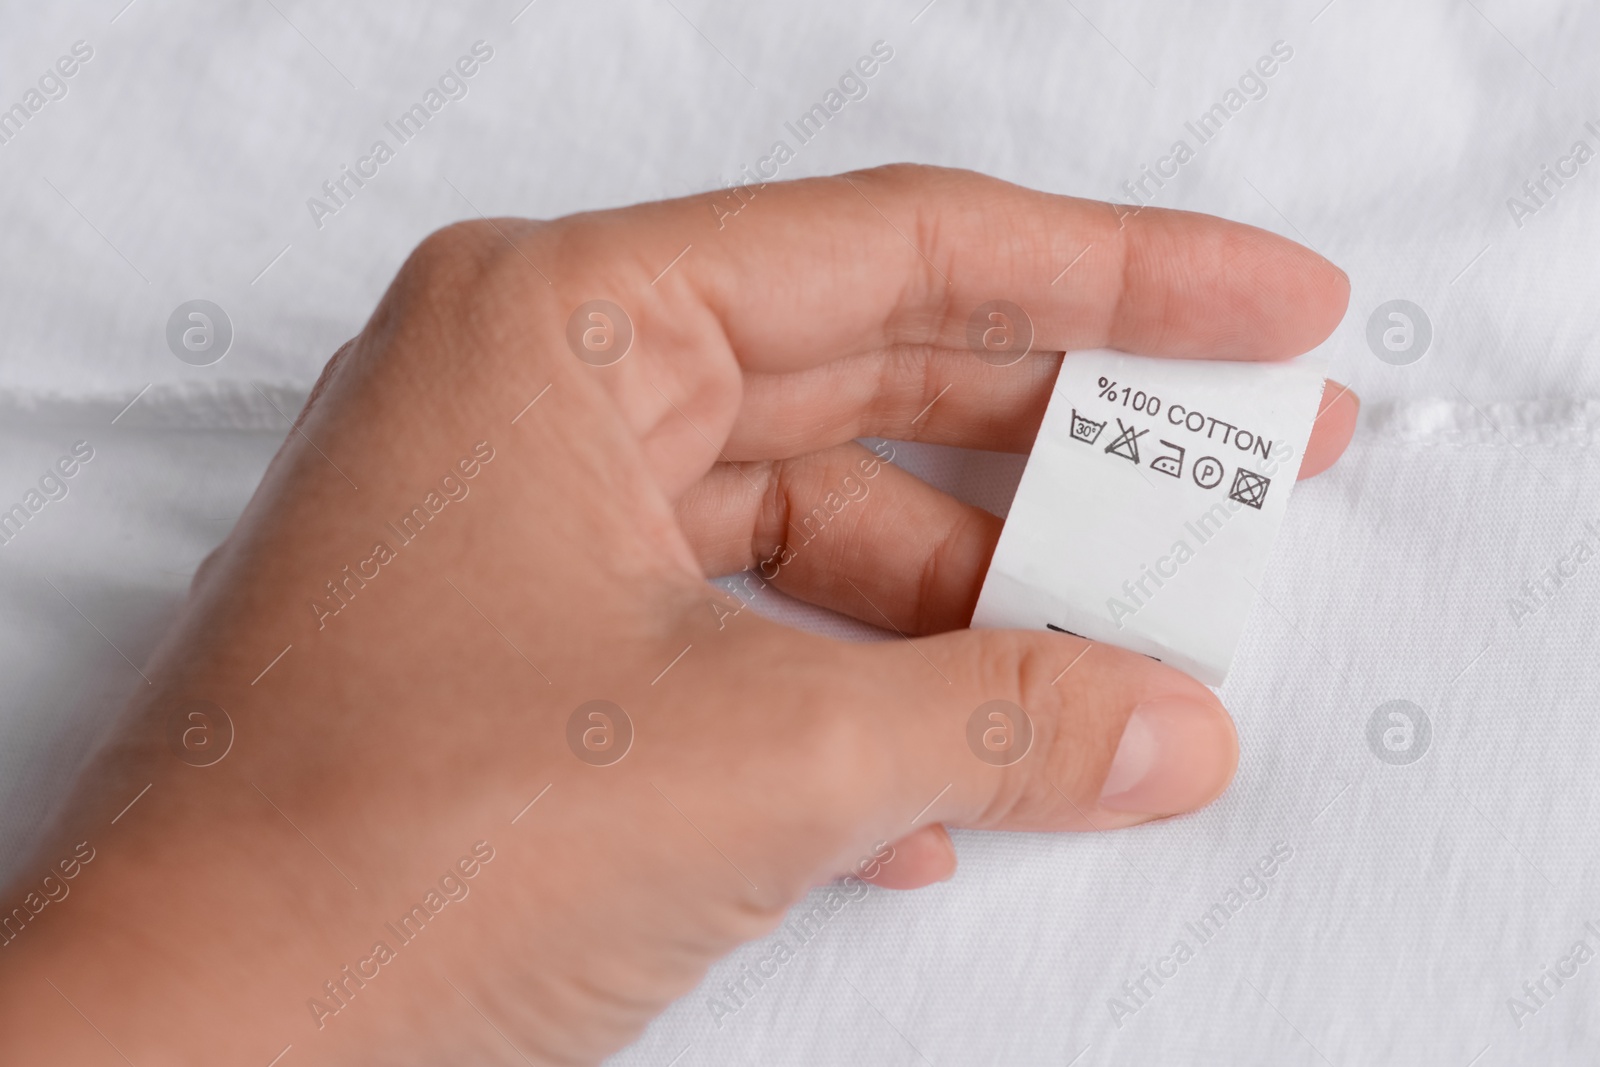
<point>908,393</point>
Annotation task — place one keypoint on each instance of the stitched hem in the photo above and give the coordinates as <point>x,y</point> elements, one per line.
<point>1453,423</point>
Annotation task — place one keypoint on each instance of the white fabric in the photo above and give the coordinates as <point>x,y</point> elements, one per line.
<point>1417,898</point>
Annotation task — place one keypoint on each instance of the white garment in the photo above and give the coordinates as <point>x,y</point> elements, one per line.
<point>1418,898</point>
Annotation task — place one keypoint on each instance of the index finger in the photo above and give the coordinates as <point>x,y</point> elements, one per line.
<point>810,271</point>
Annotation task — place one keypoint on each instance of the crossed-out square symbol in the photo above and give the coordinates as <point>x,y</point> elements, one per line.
<point>1249,488</point>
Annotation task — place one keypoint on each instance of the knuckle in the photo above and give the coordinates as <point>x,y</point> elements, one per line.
<point>1025,665</point>
<point>208,566</point>
<point>452,255</point>
<point>840,753</point>
<point>462,293</point>
<point>903,175</point>
<point>1076,750</point>
<point>1092,710</point>
<point>896,173</point>
<point>467,267</point>
<point>1076,718</point>
<point>832,749</point>
<point>807,749</point>
<point>944,577</point>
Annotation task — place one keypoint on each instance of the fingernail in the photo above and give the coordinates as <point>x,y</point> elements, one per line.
<point>1175,755</point>
<point>1338,394</point>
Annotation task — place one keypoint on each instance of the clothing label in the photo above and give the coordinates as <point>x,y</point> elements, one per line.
<point>1149,504</point>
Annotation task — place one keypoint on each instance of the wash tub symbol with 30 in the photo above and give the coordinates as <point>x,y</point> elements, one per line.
<point>1085,429</point>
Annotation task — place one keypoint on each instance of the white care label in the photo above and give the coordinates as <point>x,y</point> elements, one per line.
<point>1150,502</point>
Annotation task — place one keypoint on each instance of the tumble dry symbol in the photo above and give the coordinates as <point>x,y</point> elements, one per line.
<point>1249,488</point>
<point>1126,443</point>
<point>1085,429</point>
<point>1172,464</point>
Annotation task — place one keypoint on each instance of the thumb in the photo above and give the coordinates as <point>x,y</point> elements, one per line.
<point>1016,730</point>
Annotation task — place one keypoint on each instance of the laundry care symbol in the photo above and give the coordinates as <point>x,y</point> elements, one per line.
<point>1208,472</point>
<point>1249,488</point>
<point>1172,464</point>
<point>1085,429</point>
<point>1126,443</point>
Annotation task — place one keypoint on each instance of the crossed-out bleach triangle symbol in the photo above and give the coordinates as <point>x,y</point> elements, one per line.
<point>1126,443</point>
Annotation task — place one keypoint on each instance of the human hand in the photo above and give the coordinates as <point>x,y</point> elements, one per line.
<point>393,750</point>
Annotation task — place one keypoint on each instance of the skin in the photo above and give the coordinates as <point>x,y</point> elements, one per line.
<point>424,716</point>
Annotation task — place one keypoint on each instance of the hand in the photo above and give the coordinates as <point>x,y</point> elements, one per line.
<point>360,875</point>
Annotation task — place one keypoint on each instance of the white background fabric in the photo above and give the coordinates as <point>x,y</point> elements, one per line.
<point>1418,898</point>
